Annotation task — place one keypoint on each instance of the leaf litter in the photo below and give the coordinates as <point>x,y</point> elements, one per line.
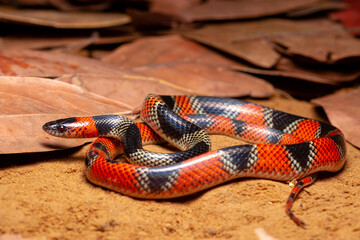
<point>230,58</point>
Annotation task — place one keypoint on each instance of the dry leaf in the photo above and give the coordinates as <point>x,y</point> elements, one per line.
<point>17,62</point>
<point>350,17</point>
<point>250,40</point>
<point>162,50</point>
<point>48,42</point>
<point>27,103</point>
<point>75,47</point>
<point>130,89</point>
<point>58,19</point>
<point>318,73</point>
<point>24,134</point>
<point>70,5</point>
<point>255,51</point>
<point>343,111</point>
<point>39,95</point>
<point>65,5</point>
<point>38,42</point>
<point>146,20</point>
<point>188,65</point>
<point>209,80</point>
<point>315,8</point>
<point>172,7</point>
<point>227,9</point>
<point>171,13</point>
<point>324,48</point>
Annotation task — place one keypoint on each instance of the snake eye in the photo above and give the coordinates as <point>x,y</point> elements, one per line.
<point>61,128</point>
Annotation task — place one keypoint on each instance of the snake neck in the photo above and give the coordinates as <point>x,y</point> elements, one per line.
<point>170,126</point>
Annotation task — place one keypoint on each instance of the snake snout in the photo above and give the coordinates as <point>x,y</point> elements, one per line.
<point>54,128</point>
<point>58,128</point>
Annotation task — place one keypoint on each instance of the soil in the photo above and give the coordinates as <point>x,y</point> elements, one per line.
<point>47,196</point>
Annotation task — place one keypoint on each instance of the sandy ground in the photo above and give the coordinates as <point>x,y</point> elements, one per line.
<point>46,196</point>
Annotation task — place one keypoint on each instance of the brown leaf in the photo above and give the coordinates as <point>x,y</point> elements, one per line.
<point>65,5</point>
<point>57,19</point>
<point>162,50</point>
<point>226,10</point>
<point>141,19</point>
<point>36,41</point>
<point>350,17</point>
<point>255,51</point>
<point>75,47</point>
<point>68,5</point>
<point>17,62</point>
<point>39,95</point>
<point>32,42</point>
<point>188,65</point>
<point>27,103</point>
<point>204,79</point>
<point>64,40</point>
<point>324,48</point>
<point>24,134</point>
<point>318,7</point>
<point>343,111</point>
<point>172,7</point>
<point>250,40</point>
<point>130,89</point>
<point>320,74</point>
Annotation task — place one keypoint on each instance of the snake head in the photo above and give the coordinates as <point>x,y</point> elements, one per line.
<point>60,127</point>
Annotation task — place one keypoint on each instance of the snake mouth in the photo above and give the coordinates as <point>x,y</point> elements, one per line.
<point>58,128</point>
<point>52,128</point>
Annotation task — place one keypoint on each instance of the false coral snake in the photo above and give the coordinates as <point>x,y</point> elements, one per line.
<point>285,147</point>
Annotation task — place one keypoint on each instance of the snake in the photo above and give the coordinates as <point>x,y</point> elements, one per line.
<point>280,146</point>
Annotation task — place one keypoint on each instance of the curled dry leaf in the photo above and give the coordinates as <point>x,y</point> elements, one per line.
<point>324,48</point>
<point>193,67</point>
<point>250,40</point>
<point>58,19</point>
<point>343,112</point>
<point>27,103</point>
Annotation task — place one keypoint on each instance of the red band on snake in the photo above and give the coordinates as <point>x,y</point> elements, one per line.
<point>284,147</point>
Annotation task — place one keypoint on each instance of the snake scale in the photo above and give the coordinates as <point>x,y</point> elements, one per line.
<point>281,146</point>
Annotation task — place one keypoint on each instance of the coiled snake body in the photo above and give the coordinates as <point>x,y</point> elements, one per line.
<point>286,147</point>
